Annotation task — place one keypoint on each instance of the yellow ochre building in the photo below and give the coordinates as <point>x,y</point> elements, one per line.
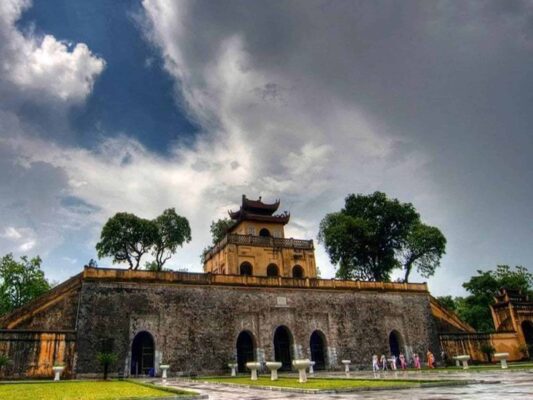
<point>256,245</point>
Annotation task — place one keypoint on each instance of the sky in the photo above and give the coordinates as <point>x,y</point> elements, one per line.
<point>138,106</point>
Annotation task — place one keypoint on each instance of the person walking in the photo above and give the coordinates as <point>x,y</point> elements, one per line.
<point>430,359</point>
<point>375,363</point>
<point>383,361</point>
<point>403,364</point>
<point>417,361</point>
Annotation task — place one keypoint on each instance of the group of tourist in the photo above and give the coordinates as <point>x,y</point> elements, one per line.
<point>383,363</point>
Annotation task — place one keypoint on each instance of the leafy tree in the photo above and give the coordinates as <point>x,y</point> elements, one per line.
<point>106,360</point>
<point>219,228</point>
<point>425,245</point>
<point>475,308</point>
<point>448,302</point>
<point>373,235</point>
<point>172,231</point>
<point>126,237</point>
<point>20,281</point>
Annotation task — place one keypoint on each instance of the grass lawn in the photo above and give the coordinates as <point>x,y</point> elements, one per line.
<point>318,383</point>
<point>82,390</point>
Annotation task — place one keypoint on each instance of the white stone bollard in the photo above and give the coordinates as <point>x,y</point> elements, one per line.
<point>273,366</point>
<point>464,359</point>
<point>503,359</point>
<point>253,366</point>
<point>347,366</point>
<point>233,367</point>
<point>58,369</point>
<point>164,368</point>
<point>301,366</point>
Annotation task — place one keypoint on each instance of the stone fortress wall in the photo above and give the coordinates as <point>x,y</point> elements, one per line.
<point>195,319</point>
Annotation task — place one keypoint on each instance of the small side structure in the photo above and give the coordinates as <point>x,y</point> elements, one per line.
<point>512,314</point>
<point>198,323</point>
<point>42,333</point>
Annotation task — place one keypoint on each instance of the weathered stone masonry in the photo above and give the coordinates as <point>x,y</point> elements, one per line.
<point>195,319</point>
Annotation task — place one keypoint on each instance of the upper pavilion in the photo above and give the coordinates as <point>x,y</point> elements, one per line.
<point>256,245</point>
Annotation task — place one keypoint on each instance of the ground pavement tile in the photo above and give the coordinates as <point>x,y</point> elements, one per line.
<point>516,385</point>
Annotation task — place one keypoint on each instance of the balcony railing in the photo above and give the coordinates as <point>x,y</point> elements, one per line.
<point>260,241</point>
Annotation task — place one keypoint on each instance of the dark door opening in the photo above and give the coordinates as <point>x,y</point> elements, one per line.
<point>282,348</point>
<point>245,350</point>
<point>527,329</point>
<point>318,350</point>
<point>142,354</point>
<point>395,343</point>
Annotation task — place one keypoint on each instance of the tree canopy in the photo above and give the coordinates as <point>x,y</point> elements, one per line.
<point>20,281</point>
<point>219,228</point>
<point>475,308</point>
<point>127,238</point>
<point>373,235</point>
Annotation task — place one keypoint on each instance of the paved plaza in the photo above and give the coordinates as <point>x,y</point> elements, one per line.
<point>512,385</point>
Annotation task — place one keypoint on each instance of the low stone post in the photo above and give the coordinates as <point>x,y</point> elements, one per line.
<point>457,362</point>
<point>58,369</point>
<point>464,359</point>
<point>273,367</point>
<point>347,366</point>
<point>233,367</point>
<point>253,366</point>
<point>301,366</point>
<point>503,359</point>
<point>164,368</point>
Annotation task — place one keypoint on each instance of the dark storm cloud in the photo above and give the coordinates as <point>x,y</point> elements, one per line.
<point>451,80</point>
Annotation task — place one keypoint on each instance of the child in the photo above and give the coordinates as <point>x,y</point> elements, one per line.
<point>431,359</point>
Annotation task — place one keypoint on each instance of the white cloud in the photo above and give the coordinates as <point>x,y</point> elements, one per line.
<point>11,233</point>
<point>56,68</point>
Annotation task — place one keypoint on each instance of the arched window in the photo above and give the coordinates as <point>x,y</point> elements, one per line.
<point>282,347</point>
<point>317,345</point>
<point>272,270</point>
<point>142,354</point>
<point>246,268</point>
<point>264,232</point>
<point>245,350</point>
<point>297,272</point>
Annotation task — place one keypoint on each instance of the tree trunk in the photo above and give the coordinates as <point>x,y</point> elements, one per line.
<point>105,371</point>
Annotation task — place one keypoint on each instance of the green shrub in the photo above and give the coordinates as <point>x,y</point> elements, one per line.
<point>106,359</point>
<point>488,350</point>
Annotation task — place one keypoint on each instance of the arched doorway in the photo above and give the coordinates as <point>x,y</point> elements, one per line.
<point>282,347</point>
<point>272,270</point>
<point>264,232</point>
<point>395,343</point>
<point>297,272</point>
<point>527,329</point>
<point>245,350</point>
<point>318,350</point>
<point>246,268</point>
<point>142,353</point>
